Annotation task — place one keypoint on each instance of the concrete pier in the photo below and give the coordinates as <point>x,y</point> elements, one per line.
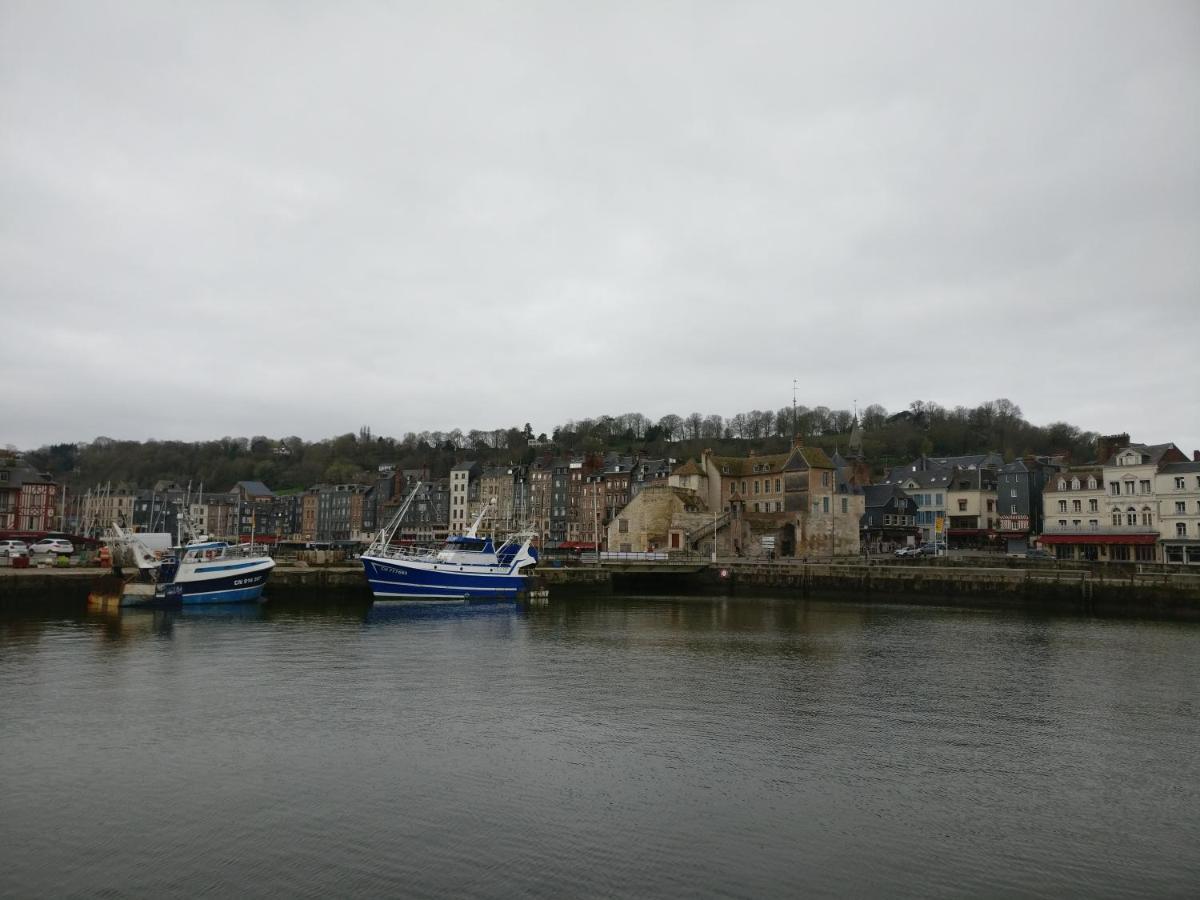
<point>1101,590</point>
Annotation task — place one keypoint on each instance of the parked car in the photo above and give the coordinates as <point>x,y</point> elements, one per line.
<point>14,548</point>
<point>931,549</point>
<point>902,552</point>
<point>1038,553</point>
<point>53,545</point>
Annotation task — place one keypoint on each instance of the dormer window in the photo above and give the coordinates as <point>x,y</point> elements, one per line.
<point>1074,484</point>
<point>1091,484</point>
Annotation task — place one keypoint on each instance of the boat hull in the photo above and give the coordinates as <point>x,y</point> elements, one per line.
<point>392,579</point>
<point>240,583</point>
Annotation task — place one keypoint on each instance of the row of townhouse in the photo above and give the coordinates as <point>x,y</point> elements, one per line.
<point>249,508</point>
<point>1142,503</point>
<point>1138,503</point>
<point>568,501</point>
<point>975,501</point>
<point>29,499</point>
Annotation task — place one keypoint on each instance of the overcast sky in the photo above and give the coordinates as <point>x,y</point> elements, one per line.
<point>299,218</point>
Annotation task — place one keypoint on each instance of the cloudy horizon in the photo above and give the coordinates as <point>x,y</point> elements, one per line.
<point>298,219</point>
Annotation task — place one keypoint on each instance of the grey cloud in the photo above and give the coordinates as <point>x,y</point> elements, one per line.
<point>299,218</point>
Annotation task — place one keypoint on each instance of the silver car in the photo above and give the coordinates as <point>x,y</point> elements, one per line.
<point>53,545</point>
<point>13,548</point>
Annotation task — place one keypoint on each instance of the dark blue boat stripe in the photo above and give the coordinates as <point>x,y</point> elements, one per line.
<point>245,565</point>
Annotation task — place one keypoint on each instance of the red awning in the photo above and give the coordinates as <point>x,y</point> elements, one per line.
<point>1098,538</point>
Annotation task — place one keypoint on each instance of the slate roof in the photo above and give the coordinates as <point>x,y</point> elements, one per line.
<point>971,480</point>
<point>688,468</point>
<point>1179,468</point>
<point>1082,474</point>
<point>1151,453</point>
<point>927,479</point>
<point>879,495</point>
<point>976,460</point>
<point>20,472</point>
<point>255,489</point>
<point>743,466</point>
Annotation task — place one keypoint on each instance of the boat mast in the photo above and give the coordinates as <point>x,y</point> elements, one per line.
<point>388,531</point>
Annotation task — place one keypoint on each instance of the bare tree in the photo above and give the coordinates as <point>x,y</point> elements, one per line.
<point>670,426</point>
<point>874,417</point>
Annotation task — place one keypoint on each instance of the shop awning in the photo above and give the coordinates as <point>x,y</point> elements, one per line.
<point>1098,538</point>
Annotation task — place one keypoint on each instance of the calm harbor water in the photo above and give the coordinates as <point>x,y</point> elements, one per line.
<point>618,747</point>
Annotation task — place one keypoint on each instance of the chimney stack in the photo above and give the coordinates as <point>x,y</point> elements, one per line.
<point>1108,444</point>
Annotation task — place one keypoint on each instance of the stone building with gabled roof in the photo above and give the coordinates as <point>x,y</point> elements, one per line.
<point>780,504</point>
<point>658,518</point>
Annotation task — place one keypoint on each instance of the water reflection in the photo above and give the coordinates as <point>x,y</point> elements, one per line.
<point>395,612</point>
<point>623,746</point>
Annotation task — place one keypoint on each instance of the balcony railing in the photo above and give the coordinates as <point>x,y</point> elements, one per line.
<point>1101,528</point>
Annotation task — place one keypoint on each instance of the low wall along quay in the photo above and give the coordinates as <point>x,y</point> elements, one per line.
<point>1100,589</point>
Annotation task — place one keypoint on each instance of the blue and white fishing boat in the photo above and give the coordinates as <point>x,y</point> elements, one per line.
<point>200,572</point>
<point>467,566</point>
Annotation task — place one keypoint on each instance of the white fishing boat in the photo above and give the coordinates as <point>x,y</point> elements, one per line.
<point>203,571</point>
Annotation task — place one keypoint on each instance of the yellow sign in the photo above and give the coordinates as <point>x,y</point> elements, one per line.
<point>939,525</point>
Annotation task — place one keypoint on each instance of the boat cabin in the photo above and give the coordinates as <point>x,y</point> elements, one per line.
<point>464,549</point>
<point>198,553</point>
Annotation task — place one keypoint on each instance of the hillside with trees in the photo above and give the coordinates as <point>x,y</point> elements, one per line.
<point>290,463</point>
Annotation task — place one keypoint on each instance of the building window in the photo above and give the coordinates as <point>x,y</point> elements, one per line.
<point>1013,509</point>
<point>1076,506</point>
<point>1116,517</point>
<point>1093,524</point>
<point>1062,484</point>
<point>1147,519</point>
<point>1062,506</point>
<point>1091,484</point>
<point>1074,484</point>
<point>1115,487</point>
<point>825,504</point>
<point>1131,517</point>
<point>845,504</point>
<point>1093,505</point>
<point>1144,486</point>
<point>622,526</point>
<point>1178,483</point>
<point>756,489</point>
<point>1181,529</point>
<point>1013,492</point>
<point>962,505</point>
<point>1180,508</point>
